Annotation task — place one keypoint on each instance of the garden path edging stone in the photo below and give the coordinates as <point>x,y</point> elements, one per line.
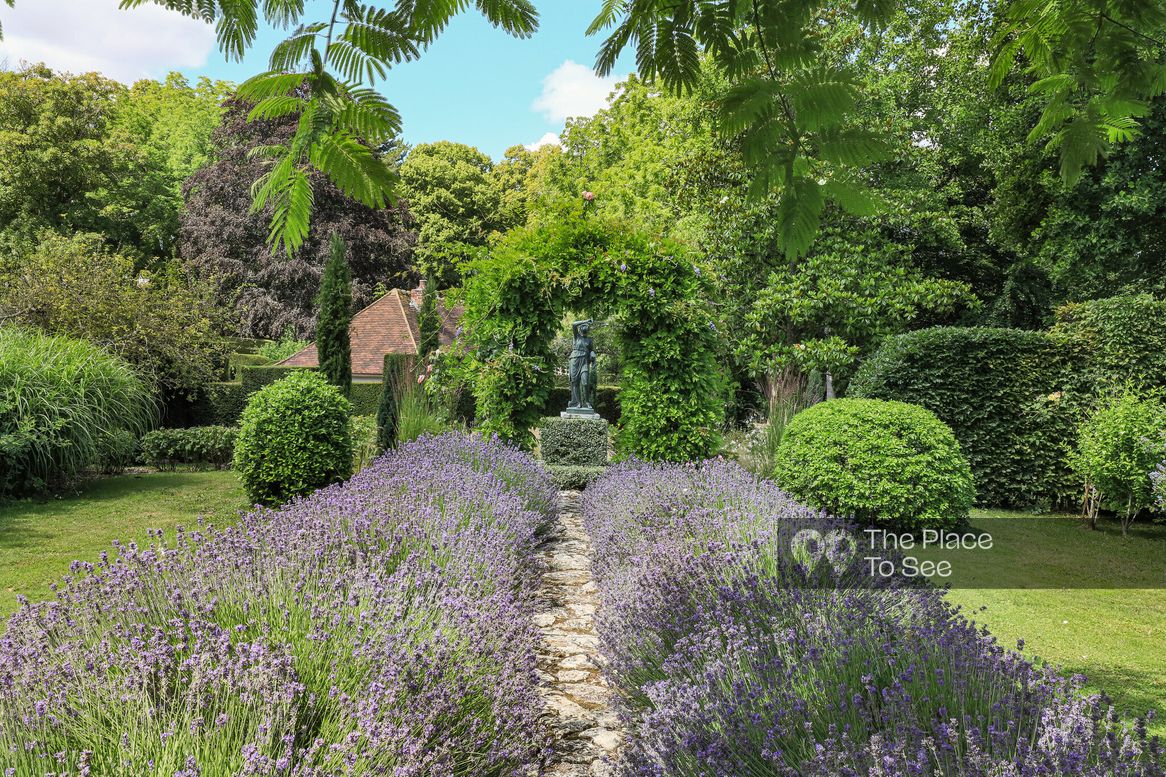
<point>587,730</point>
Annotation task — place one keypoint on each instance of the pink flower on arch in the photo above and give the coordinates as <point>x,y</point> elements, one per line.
<point>588,196</point>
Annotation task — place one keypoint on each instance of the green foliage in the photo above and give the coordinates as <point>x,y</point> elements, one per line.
<point>64,403</point>
<point>85,154</point>
<point>1117,341</point>
<point>416,416</point>
<point>365,398</point>
<point>606,402</point>
<point>1001,391</point>
<point>1117,449</point>
<point>319,73</point>
<point>335,305</point>
<point>655,297</point>
<point>821,312</point>
<point>365,447</point>
<point>255,378</point>
<point>222,404</point>
<point>428,321</point>
<point>888,464</point>
<point>571,477</point>
<point>162,323</point>
<point>398,371</point>
<point>213,446</point>
<point>294,438</point>
<point>285,347</point>
<point>574,441</point>
<point>1096,66</point>
<point>512,312</point>
<point>451,193</point>
<point>237,361</point>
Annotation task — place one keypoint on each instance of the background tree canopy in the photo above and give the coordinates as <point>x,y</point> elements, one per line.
<point>222,241</point>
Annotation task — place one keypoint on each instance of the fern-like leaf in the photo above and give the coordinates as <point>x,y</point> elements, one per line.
<point>799,212</point>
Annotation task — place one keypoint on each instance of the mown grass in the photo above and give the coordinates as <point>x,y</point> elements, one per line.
<point>39,539</point>
<point>1084,601</point>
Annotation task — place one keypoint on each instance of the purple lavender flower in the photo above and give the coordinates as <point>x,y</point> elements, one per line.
<point>729,660</point>
<point>380,626</point>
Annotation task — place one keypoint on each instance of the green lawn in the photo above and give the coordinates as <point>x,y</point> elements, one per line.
<point>1085,601</point>
<point>40,539</point>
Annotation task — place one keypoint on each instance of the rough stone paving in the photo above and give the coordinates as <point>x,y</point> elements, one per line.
<point>587,730</point>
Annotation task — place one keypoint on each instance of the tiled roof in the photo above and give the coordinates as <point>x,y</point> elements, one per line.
<point>388,325</point>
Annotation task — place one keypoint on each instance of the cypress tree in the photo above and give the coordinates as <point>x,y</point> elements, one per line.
<point>335,313</point>
<point>387,413</point>
<point>428,322</point>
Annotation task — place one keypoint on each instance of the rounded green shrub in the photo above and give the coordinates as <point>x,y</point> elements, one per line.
<point>1118,448</point>
<point>294,438</point>
<point>888,464</point>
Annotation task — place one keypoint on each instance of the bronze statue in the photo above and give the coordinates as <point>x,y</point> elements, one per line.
<point>582,372</point>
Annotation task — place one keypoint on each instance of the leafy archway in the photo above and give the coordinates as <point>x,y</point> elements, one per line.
<point>672,395</point>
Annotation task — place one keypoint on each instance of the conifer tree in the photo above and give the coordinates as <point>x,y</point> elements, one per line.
<point>428,322</point>
<point>335,303</point>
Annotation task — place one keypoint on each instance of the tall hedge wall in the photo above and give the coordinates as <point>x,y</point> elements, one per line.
<point>998,391</point>
<point>1014,398</point>
<point>1117,341</point>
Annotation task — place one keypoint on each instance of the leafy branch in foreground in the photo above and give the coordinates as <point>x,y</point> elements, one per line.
<point>324,73</point>
<point>1097,64</point>
<point>790,100</point>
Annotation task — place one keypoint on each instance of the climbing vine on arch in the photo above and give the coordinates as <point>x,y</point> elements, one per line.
<point>673,388</point>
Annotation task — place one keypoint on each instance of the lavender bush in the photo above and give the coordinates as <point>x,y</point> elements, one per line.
<point>381,626</point>
<point>732,662</point>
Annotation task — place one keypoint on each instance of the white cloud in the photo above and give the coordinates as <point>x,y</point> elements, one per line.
<point>84,35</point>
<point>571,90</point>
<point>549,139</point>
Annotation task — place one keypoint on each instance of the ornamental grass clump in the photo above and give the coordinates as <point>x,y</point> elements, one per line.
<point>731,661</point>
<point>65,406</point>
<point>380,626</point>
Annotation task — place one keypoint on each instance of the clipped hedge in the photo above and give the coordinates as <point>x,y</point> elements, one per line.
<point>255,378</point>
<point>1000,391</point>
<point>294,438</point>
<point>211,446</point>
<point>574,441</point>
<point>887,464</point>
<point>1116,342</point>
<point>237,361</point>
<point>223,404</point>
<point>569,477</point>
<point>365,398</point>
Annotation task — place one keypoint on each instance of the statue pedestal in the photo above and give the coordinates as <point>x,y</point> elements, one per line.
<point>581,412</point>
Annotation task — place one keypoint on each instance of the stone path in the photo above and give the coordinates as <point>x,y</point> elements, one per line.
<point>587,731</point>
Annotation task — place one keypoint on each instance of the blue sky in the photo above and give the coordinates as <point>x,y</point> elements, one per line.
<point>475,85</point>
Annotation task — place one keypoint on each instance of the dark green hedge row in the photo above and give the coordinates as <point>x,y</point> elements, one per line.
<point>221,406</point>
<point>224,402</point>
<point>365,398</point>
<point>1014,398</point>
<point>580,442</point>
<point>573,478</point>
<point>211,446</point>
<point>979,381</point>
<point>256,377</point>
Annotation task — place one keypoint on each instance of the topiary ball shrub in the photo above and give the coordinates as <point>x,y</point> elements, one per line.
<point>888,464</point>
<point>293,438</point>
